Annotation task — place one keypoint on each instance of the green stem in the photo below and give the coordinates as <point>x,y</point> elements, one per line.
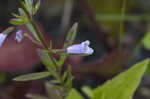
<point>122,25</point>
<point>41,38</point>
<point>118,17</point>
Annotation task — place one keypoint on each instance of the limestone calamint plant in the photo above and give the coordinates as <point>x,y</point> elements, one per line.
<point>62,81</point>
<point>60,87</point>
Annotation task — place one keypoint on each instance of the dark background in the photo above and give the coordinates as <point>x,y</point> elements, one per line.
<point>54,19</point>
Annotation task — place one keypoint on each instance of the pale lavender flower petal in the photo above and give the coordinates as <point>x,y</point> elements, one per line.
<point>19,36</point>
<point>2,38</point>
<point>82,48</point>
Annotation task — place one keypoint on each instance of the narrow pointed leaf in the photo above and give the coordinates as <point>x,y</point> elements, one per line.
<point>69,41</point>
<point>46,60</point>
<point>71,36</point>
<point>29,25</point>
<point>36,8</point>
<point>28,4</point>
<point>32,76</point>
<point>35,96</point>
<point>18,21</point>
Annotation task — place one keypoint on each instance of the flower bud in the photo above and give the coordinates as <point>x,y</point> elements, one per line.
<point>19,36</point>
<point>2,38</point>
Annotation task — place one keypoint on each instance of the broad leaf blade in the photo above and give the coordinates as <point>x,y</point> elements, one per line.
<point>74,95</point>
<point>122,86</point>
<point>32,76</point>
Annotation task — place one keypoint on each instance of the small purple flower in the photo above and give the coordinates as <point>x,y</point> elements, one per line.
<point>2,38</point>
<point>19,36</point>
<point>82,48</point>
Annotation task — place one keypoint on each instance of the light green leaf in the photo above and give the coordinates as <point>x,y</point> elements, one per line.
<point>32,76</point>
<point>28,4</point>
<point>18,21</point>
<point>88,91</point>
<point>30,27</point>
<point>46,60</point>
<point>15,15</point>
<point>69,78</point>
<point>21,12</point>
<point>74,95</point>
<point>69,40</point>
<point>35,96</point>
<point>53,91</point>
<point>50,45</point>
<point>71,36</point>
<point>146,40</point>
<point>36,8</point>
<point>124,85</point>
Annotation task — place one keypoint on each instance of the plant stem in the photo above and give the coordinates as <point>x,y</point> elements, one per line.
<point>41,38</point>
<point>121,25</point>
<point>118,17</point>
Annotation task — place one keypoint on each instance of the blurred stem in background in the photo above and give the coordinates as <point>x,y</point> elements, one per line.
<point>115,17</point>
<point>120,35</point>
<point>67,12</point>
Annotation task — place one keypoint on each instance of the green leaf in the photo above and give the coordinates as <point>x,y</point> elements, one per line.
<point>15,15</point>
<point>35,96</point>
<point>124,85</point>
<point>30,27</point>
<point>88,91</point>
<point>21,12</point>
<point>32,76</point>
<point>50,44</point>
<point>53,91</point>
<point>46,60</point>
<point>69,77</point>
<point>71,36</point>
<point>37,6</point>
<point>74,95</point>
<point>146,40</point>
<point>69,40</point>
<point>28,4</point>
<point>18,21</point>
<point>8,30</point>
